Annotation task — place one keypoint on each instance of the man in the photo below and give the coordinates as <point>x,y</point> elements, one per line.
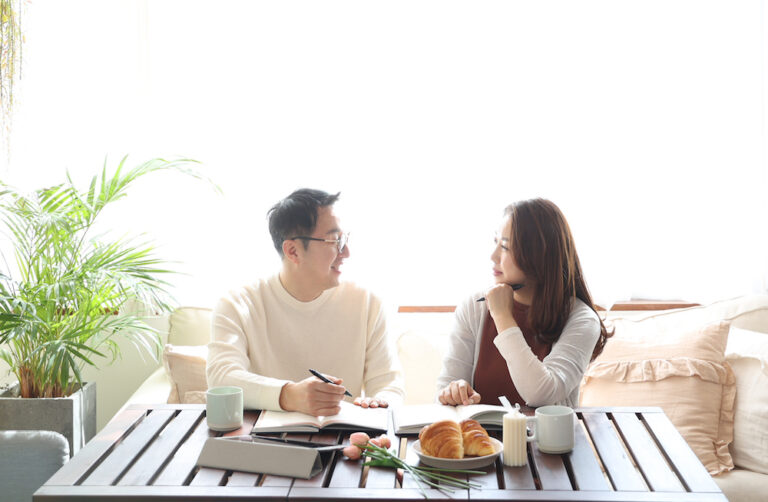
<point>266,336</point>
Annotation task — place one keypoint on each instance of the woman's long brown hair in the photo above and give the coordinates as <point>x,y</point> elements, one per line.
<point>543,247</point>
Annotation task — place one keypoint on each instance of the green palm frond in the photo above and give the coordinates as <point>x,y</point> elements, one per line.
<point>69,300</point>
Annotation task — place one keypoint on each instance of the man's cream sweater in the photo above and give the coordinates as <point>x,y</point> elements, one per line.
<point>262,338</point>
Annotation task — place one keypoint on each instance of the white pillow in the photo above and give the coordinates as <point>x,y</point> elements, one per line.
<point>747,353</point>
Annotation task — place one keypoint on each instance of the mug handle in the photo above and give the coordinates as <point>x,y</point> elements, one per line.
<point>532,437</point>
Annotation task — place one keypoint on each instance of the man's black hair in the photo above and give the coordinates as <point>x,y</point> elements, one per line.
<point>297,215</point>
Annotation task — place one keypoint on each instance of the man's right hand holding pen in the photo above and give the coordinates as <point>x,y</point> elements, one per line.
<point>316,397</point>
<point>313,396</point>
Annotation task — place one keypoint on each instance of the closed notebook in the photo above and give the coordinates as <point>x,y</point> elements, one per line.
<point>350,417</point>
<point>410,419</point>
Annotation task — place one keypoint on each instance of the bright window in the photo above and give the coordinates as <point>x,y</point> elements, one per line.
<point>643,120</point>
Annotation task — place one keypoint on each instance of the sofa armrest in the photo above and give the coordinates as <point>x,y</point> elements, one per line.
<point>154,390</point>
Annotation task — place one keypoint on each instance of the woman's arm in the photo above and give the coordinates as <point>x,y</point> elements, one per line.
<point>459,361</point>
<point>553,379</point>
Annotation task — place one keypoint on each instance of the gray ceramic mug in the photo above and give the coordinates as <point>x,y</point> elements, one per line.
<point>224,408</point>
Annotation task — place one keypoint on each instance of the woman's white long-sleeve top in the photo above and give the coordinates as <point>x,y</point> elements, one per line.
<point>555,380</point>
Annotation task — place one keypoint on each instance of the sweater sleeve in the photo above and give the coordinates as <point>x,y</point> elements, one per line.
<point>459,360</point>
<point>228,361</point>
<point>552,380</point>
<point>383,376</point>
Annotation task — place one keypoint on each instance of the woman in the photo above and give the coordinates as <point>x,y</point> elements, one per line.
<point>533,334</point>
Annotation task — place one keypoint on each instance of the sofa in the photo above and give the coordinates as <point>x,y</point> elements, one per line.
<point>706,366</point>
<point>27,459</point>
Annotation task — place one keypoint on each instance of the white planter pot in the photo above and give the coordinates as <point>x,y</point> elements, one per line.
<point>73,416</point>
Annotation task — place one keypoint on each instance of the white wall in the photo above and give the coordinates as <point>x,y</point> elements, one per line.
<point>644,120</point>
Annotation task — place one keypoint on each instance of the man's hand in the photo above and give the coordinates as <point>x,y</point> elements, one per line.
<point>312,396</point>
<point>371,402</point>
<point>458,392</point>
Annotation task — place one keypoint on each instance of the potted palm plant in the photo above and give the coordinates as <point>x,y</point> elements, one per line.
<point>71,293</point>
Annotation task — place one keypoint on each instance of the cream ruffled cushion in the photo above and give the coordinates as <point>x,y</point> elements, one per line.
<point>185,366</point>
<point>682,371</point>
<point>747,353</point>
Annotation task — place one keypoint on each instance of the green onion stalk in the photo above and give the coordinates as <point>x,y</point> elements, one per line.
<point>381,457</point>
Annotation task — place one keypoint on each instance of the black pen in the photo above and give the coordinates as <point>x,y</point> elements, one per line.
<point>325,379</point>
<point>514,287</point>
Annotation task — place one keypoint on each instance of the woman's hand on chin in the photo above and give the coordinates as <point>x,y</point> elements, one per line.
<point>500,301</point>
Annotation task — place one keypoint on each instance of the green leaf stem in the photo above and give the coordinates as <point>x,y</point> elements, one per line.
<point>381,457</point>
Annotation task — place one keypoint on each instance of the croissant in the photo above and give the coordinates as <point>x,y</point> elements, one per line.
<point>442,439</point>
<point>476,439</point>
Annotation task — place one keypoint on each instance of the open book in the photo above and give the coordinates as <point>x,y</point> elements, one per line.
<point>350,417</point>
<point>410,419</point>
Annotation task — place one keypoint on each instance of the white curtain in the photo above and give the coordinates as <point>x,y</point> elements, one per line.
<point>643,120</point>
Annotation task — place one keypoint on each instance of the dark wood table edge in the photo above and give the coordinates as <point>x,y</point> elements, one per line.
<point>185,493</point>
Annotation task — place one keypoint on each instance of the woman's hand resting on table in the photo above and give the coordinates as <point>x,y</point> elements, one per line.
<point>458,392</point>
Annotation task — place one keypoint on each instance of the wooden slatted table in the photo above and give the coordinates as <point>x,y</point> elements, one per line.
<point>148,453</point>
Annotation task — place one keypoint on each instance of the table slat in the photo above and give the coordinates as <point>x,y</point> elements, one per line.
<point>514,478</point>
<point>243,479</point>
<point>269,480</point>
<point>619,467</point>
<point>90,455</point>
<point>685,462</point>
<point>184,461</point>
<point>346,473</point>
<point>586,470</point>
<point>649,459</point>
<point>489,480</point>
<point>551,470</point>
<point>208,476</point>
<point>338,475</point>
<point>123,455</point>
<point>380,477</point>
<point>455,493</point>
<point>410,457</point>
<point>152,460</point>
<point>320,480</point>
<point>272,480</point>
<point>383,477</point>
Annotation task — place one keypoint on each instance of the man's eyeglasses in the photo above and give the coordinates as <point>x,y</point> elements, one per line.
<point>341,242</point>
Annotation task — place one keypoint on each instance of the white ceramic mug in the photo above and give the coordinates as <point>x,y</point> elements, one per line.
<point>224,408</point>
<point>553,428</point>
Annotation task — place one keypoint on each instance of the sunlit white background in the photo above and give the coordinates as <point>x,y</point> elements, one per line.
<point>643,120</point>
